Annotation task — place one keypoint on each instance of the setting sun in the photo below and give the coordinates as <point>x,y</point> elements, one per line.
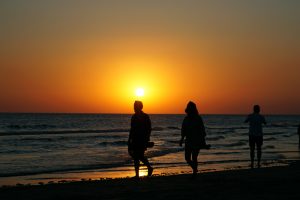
<point>99,57</point>
<point>139,92</point>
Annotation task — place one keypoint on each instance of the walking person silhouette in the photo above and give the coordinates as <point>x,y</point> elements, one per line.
<point>139,137</point>
<point>194,131</point>
<point>255,134</point>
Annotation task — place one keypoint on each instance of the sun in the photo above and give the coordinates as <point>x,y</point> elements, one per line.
<point>139,92</point>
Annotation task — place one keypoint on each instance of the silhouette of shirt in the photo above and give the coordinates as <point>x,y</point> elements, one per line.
<point>194,131</point>
<point>140,130</point>
<point>256,120</point>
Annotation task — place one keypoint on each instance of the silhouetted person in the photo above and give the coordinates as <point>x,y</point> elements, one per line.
<point>255,134</point>
<point>194,131</point>
<point>139,136</point>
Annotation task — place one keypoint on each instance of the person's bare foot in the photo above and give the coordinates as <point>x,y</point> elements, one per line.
<point>195,171</point>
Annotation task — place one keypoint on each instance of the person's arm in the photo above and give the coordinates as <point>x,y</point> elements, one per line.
<point>148,128</point>
<point>183,133</point>
<point>264,120</point>
<point>247,119</point>
<point>202,126</point>
<point>130,132</point>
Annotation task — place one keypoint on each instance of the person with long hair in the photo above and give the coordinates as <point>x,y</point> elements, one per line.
<point>193,131</point>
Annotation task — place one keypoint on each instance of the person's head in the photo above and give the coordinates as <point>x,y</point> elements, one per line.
<point>256,109</point>
<point>191,109</point>
<point>138,106</point>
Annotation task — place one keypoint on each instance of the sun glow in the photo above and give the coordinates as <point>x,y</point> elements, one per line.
<point>139,92</point>
<point>139,83</point>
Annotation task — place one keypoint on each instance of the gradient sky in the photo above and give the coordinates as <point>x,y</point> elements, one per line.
<point>90,56</point>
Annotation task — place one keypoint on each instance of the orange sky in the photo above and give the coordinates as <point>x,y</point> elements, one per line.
<point>90,57</point>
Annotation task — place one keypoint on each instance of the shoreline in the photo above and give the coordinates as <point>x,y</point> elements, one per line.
<point>125,172</point>
<point>265,183</point>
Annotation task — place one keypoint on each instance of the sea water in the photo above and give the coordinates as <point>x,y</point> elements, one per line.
<point>44,144</point>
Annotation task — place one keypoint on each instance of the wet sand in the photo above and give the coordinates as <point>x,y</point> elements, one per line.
<point>265,183</point>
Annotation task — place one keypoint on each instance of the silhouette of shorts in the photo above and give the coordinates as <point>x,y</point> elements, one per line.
<point>258,140</point>
<point>137,154</point>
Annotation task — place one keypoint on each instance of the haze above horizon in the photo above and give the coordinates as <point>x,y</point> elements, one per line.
<point>91,57</point>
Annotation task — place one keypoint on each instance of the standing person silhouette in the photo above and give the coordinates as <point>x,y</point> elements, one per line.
<point>255,134</point>
<point>139,136</point>
<point>194,131</point>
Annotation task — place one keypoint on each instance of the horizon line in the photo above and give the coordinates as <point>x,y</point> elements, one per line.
<point>95,113</point>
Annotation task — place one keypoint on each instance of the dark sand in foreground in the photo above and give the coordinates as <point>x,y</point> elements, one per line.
<point>266,183</point>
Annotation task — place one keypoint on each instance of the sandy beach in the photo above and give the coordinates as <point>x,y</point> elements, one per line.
<point>264,183</point>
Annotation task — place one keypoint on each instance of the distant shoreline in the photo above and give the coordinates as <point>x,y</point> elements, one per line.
<point>78,113</point>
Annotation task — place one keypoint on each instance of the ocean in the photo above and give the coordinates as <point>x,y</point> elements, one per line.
<point>81,146</point>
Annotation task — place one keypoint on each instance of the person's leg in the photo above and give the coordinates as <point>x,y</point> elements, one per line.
<point>252,149</point>
<point>187,155</point>
<point>252,155</point>
<point>258,156</point>
<point>259,152</point>
<point>134,154</point>
<point>195,154</point>
<point>146,162</point>
<point>137,167</point>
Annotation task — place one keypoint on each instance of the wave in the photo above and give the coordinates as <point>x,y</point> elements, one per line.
<point>226,153</point>
<point>202,162</point>
<point>216,138</point>
<point>65,169</point>
<point>63,132</point>
<point>53,132</point>
<point>125,162</point>
<point>283,124</point>
<point>37,126</point>
<point>236,144</point>
<point>173,127</point>
<point>286,136</point>
<point>159,153</point>
<point>270,139</point>
<point>274,133</point>
<point>116,143</point>
<point>65,138</point>
<point>226,128</point>
<point>78,168</point>
<point>269,147</point>
<point>157,128</point>
<point>15,152</point>
<point>173,141</point>
<point>38,139</point>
